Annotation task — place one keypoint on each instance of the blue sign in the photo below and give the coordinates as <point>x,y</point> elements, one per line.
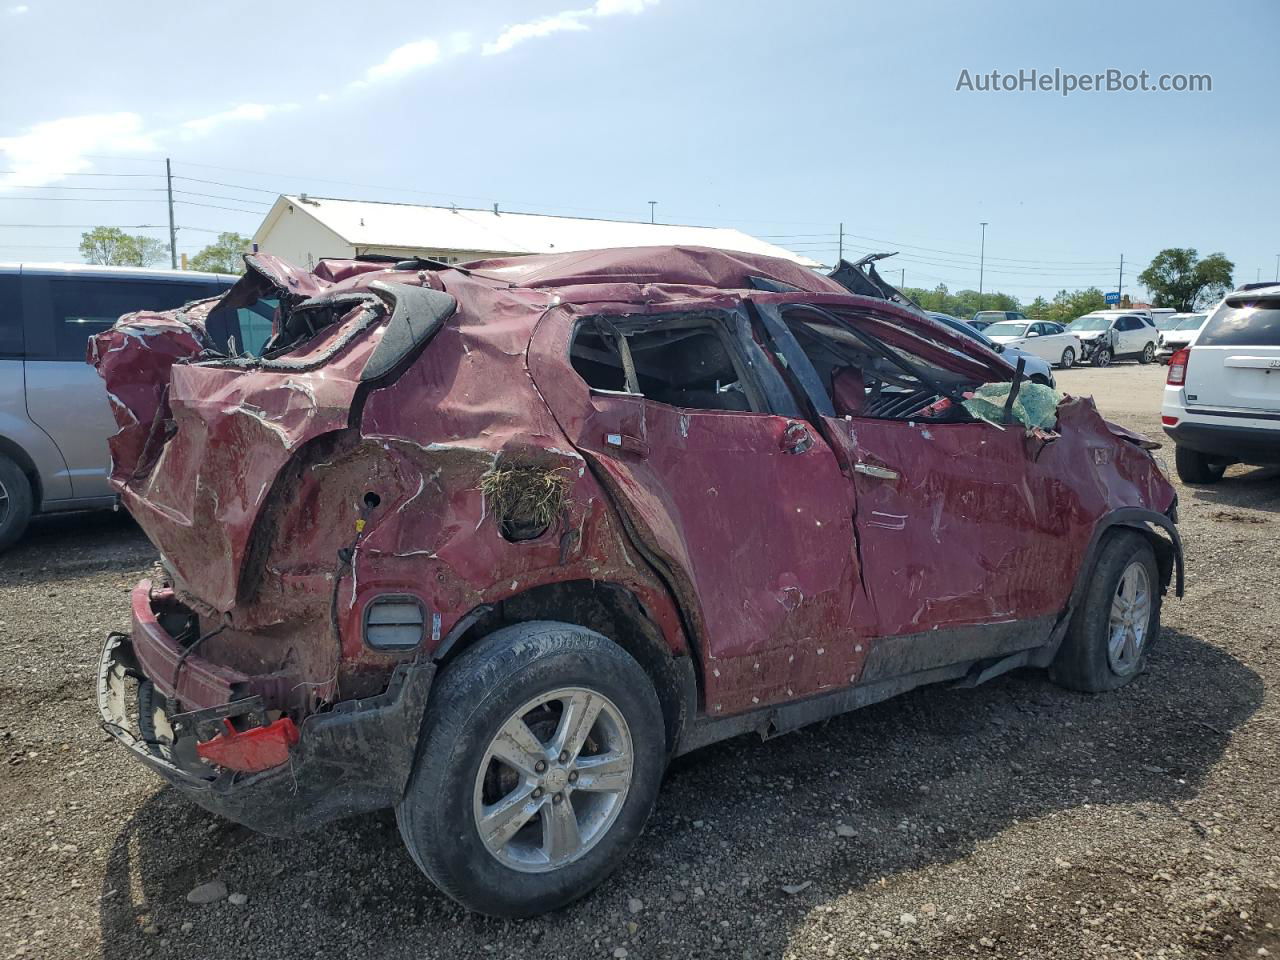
<point>1111,297</point>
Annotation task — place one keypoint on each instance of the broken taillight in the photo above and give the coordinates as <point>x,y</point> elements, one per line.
<point>1178,367</point>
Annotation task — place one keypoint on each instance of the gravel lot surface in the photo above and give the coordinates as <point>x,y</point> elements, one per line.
<point>1012,820</point>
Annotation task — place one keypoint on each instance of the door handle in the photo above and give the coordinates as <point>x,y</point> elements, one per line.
<point>871,470</point>
<point>796,438</point>
<point>627,444</point>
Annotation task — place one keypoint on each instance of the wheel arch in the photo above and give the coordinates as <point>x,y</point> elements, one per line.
<point>18,455</point>
<point>1158,529</point>
<point>609,609</point>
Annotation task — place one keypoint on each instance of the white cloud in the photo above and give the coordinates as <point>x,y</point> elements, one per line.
<point>520,32</point>
<point>405,60</point>
<point>565,20</point>
<point>607,8</point>
<point>50,149</point>
<point>18,11</point>
<point>201,126</point>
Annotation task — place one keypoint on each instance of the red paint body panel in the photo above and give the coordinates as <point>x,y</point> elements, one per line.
<point>255,485</point>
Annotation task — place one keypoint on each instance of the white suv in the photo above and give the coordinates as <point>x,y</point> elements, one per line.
<point>1222,396</point>
<point>1107,335</point>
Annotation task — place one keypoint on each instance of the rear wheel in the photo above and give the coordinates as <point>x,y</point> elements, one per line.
<point>1068,358</point>
<point>16,502</point>
<point>1116,621</point>
<point>1148,354</point>
<point>541,755</point>
<point>1195,467</point>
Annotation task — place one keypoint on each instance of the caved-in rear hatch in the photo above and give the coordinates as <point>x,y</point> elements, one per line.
<point>216,435</point>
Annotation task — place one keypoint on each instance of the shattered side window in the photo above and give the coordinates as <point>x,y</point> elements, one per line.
<point>883,382</point>
<point>243,330</point>
<point>682,364</point>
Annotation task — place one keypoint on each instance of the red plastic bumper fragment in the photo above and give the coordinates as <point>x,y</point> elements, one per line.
<point>250,751</point>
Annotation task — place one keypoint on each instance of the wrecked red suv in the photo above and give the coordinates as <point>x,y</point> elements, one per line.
<point>490,544</point>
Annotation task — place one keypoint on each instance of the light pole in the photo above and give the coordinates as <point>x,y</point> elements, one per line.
<point>652,204</point>
<point>982,261</point>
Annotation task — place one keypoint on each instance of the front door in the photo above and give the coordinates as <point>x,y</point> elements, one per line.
<point>734,497</point>
<point>961,550</point>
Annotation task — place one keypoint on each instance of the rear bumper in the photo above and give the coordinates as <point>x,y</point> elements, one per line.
<point>1240,444</point>
<point>352,759</point>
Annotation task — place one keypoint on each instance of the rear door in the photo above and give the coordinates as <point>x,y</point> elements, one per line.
<point>738,501</point>
<point>1235,361</point>
<point>64,395</point>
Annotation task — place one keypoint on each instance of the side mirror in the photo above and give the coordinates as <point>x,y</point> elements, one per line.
<point>1033,333</point>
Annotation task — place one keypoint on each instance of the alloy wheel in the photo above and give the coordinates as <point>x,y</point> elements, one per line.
<point>1129,619</point>
<point>4,502</point>
<point>1068,358</point>
<point>553,780</point>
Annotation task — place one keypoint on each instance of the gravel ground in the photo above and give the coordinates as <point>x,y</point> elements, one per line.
<point>1014,820</point>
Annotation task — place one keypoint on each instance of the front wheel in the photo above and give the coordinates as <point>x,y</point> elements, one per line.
<point>1148,354</point>
<point>542,751</point>
<point>1117,619</point>
<point>1068,358</point>
<point>1194,467</point>
<point>1102,357</point>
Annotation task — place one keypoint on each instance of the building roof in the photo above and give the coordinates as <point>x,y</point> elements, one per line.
<point>373,225</point>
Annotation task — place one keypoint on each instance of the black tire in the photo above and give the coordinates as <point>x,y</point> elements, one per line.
<point>471,700</point>
<point>1068,358</point>
<point>16,502</point>
<point>1102,357</point>
<point>1082,662</point>
<point>1039,378</point>
<point>1195,467</point>
<point>1148,353</point>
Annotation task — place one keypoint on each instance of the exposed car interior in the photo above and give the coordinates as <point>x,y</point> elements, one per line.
<point>683,364</point>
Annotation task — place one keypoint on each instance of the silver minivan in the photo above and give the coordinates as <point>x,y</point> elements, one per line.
<point>54,414</point>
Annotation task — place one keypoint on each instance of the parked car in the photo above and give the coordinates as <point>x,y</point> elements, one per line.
<point>985,318</point>
<point>54,418</point>
<point>1035,368</point>
<point>1177,331</point>
<point>1107,335</point>
<point>1049,341</point>
<point>490,544</point>
<point>1222,394</point>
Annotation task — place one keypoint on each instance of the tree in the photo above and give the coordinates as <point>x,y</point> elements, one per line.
<point>112,247</point>
<point>109,246</point>
<point>1038,308</point>
<point>223,255</point>
<point>1069,304</point>
<point>1178,278</point>
<point>963,304</point>
<point>151,251</point>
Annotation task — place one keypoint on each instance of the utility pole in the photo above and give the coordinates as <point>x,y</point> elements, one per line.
<point>652,204</point>
<point>1120,286</point>
<point>173,231</point>
<point>902,284</point>
<point>982,261</point>
<point>840,255</point>
<point>1278,268</point>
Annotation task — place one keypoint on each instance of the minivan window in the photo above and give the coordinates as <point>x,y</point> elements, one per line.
<point>1243,323</point>
<point>10,317</point>
<point>84,306</point>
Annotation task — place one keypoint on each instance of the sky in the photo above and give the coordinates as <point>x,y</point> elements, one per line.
<point>784,120</point>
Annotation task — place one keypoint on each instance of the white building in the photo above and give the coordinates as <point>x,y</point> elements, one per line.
<point>302,229</point>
